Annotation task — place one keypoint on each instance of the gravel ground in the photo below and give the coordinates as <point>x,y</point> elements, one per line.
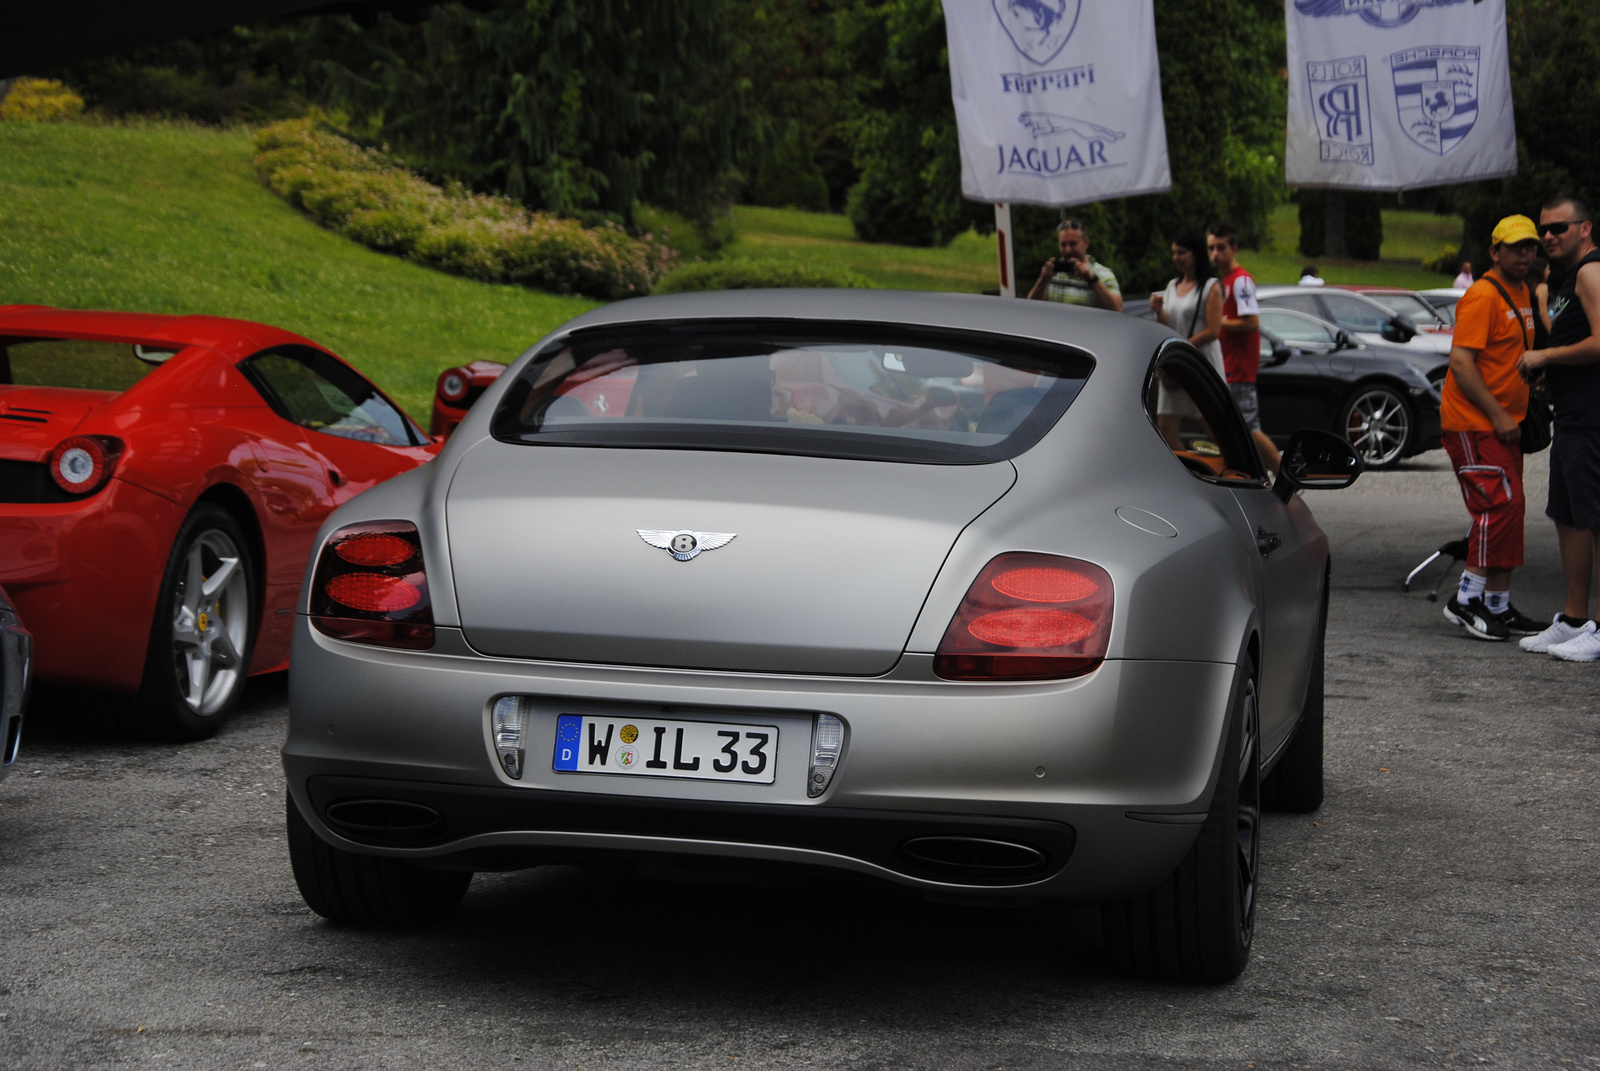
<point>1438,911</point>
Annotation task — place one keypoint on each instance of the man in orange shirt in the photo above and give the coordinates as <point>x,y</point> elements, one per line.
<point>1481,411</point>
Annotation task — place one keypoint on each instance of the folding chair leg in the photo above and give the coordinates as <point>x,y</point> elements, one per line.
<point>1429,560</point>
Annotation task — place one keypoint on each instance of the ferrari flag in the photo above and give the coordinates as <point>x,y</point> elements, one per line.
<point>1397,94</point>
<point>1058,102</point>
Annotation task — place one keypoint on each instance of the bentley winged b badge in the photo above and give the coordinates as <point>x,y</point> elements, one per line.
<point>684,545</point>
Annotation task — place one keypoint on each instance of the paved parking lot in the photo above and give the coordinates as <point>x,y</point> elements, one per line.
<point>1439,911</point>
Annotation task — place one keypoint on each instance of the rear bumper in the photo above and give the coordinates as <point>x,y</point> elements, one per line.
<point>1104,778</point>
<point>84,577</point>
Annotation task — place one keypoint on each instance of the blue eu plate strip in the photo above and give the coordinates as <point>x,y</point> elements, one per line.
<point>569,735</point>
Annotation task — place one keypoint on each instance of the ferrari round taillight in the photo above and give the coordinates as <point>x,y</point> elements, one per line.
<point>454,384</point>
<point>1029,617</point>
<point>83,463</point>
<point>370,586</point>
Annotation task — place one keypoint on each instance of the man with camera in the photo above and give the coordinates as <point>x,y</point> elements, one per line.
<point>1074,277</point>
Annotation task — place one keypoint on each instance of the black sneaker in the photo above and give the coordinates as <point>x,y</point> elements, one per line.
<point>1475,617</point>
<point>1519,624</point>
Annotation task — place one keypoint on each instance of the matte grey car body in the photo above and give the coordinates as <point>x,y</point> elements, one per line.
<point>832,600</point>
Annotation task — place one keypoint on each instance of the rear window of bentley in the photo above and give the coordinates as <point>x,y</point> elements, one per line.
<point>828,390</point>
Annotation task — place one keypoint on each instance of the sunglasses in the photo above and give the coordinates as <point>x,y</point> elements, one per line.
<point>1557,228</point>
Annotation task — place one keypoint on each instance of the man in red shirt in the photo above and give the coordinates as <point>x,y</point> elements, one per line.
<point>1241,333</point>
<point>1481,410</point>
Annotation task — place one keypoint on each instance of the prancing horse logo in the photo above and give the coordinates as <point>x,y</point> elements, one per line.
<point>684,545</point>
<point>1038,28</point>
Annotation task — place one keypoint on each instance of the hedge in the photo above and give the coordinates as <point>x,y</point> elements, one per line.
<point>757,275</point>
<point>370,197</point>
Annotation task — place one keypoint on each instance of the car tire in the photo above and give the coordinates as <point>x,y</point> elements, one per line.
<point>203,631</point>
<point>1197,925</point>
<point>1378,421</point>
<point>367,890</point>
<point>1295,783</point>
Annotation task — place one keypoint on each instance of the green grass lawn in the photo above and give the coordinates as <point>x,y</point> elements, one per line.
<point>968,263</point>
<point>164,217</point>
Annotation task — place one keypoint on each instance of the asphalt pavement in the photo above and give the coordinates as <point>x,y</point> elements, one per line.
<point>1438,911</point>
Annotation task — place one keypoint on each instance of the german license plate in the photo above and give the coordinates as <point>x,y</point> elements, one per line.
<point>648,747</point>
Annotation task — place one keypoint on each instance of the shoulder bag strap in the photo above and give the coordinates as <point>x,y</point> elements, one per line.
<point>1200,304</point>
<point>1515,312</point>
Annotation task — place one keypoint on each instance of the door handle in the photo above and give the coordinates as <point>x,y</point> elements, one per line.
<point>1267,542</point>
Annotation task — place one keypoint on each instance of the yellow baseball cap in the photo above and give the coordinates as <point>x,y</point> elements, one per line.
<point>1514,229</point>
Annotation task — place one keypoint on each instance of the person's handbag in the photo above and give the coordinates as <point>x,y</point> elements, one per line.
<point>1536,423</point>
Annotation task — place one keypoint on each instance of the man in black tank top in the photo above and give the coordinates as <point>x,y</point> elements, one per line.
<point>1571,367</point>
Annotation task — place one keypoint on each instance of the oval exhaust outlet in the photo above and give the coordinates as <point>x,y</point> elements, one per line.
<point>385,820</point>
<point>975,859</point>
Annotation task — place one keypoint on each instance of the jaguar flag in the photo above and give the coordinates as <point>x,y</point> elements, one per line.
<point>1058,102</point>
<point>1397,94</point>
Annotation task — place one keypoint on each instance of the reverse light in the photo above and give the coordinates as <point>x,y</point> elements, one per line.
<point>83,463</point>
<point>1029,617</point>
<point>509,719</point>
<point>370,587</point>
<point>454,384</point>
<point>827,741</point>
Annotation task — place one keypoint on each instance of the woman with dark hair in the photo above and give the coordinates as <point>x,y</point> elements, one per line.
<point>1192,306</point>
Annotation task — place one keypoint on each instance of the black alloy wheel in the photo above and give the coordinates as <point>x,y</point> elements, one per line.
<point>1197,925</point>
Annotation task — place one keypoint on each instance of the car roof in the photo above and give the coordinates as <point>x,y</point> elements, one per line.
<point>1281,291</point>
<point>1101,333</point>
<point>234,338</point>
<point>1364,288</point>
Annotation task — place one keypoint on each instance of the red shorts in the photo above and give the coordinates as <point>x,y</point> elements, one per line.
<point>1490,474</point>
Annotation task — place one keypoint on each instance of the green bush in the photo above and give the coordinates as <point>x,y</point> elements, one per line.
<point>789,176</point>
<point>1446,262</point>
<point>371,198</point>
<point>39,100</point>
<point>758,275</point>
<point>689,240</point>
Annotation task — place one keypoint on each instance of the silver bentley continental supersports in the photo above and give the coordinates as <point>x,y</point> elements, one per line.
<point>981,598</point>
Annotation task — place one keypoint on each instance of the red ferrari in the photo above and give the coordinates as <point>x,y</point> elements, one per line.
<point>161,481</point>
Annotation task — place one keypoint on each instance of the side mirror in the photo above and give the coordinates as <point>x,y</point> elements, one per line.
<point>1316,460</point>
<point>1280,354</point>
<point>1399,329</point>
<point>1343,341</point>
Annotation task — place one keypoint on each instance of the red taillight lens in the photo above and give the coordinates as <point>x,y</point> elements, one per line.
<point>374,549</point>
<point>1029,617</point>
<point>454,384</point>
<point>370,587</point>
<point>83,463</point>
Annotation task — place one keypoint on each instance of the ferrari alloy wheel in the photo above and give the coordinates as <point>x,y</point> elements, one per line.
<point>1377,421</point>
<point>368,890</point>
<point>204,625</point>
<point>1197,925</point>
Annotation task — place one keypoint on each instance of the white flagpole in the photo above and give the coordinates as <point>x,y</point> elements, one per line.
<point>1004,246</point>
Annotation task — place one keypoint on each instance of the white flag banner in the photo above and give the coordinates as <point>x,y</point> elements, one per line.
<point>1397,94</point>
<point>1058,102</point>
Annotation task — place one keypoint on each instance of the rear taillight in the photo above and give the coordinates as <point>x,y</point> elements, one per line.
<point>370,587</point>
<point>83,463</point>
<point>1029,617</point>
<point>454,384</point>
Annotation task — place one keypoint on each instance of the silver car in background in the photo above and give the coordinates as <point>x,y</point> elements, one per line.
<point>978,598</point>
<point>16,671</point>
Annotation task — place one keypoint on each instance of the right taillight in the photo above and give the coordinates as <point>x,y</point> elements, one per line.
<point>1029,617</point>
<point>454,383</point>
<point>370,586</point>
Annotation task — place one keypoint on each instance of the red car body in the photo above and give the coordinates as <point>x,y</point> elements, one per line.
<point>85,570</point>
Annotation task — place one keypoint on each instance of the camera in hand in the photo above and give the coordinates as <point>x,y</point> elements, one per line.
<point>1068,265</point>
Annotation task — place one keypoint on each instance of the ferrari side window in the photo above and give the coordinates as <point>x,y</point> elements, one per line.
<point>1202,430</point>
<point>309,389</point>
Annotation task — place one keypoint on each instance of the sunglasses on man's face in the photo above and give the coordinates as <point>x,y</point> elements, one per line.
<point>1556,228</point>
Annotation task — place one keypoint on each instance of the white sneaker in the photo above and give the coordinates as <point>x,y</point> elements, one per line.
<point>1584,647</point>
<point>1558,632</point>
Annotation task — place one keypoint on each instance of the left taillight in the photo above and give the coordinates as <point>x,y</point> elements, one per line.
<point>82,464</point>
<point>370,586</point>
<point>454,383</point>
<point>1029,617</point>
